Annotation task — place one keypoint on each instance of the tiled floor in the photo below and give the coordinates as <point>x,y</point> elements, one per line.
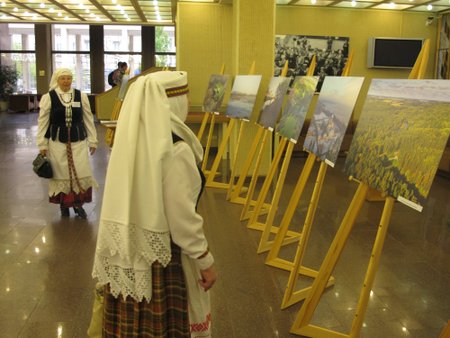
<point>45,261</point>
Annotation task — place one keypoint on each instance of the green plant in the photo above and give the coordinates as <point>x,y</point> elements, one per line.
<point>8,81</point>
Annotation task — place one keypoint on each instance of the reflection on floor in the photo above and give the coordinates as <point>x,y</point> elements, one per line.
<point>45,262</point>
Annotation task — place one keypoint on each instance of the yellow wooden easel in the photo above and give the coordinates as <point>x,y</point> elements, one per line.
<point>248,201</point>
<point>290,296</point>
<point>210,182</point>
<point>301,325</point>
<point>235,190</point>
<point>267,228</point>
<point>210,132</point>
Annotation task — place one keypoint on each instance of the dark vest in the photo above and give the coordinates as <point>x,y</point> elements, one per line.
<point>57,125</point>
<point>175,139</point>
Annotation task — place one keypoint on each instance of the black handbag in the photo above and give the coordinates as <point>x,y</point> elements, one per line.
<point>42,167</point>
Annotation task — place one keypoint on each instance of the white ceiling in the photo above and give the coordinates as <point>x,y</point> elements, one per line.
<point>162,12</point>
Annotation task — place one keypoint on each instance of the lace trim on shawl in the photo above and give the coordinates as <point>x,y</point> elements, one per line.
<point>56,186</point>
<point>128,270</point>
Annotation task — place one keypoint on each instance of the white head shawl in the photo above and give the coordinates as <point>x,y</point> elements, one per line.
<point>133,231</point>
<point>59,72</point>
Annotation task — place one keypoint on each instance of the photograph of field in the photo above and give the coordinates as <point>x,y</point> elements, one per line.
<point>296,108</point>
<point>273,100</point>
<point>243,96</point>
<point>215,93</point>
<point>400,137</point>
<point>331,116</point>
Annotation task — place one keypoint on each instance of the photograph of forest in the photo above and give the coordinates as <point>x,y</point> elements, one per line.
<point>215,93</point>
<point>297,106</point>
<point>400,137</point>
<point>243,96</point>
<point>331,116</point>
<point>273,100</point>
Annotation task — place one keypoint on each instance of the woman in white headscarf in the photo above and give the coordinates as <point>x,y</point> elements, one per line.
<point>66,131</point>
<point>151,252</point>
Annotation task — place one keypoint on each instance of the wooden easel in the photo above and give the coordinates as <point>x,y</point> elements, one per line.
<point>222,147</point>
<point>234,190</point>
<point>302,324</point>
<point>261,207</point>
<point>210,132</point>
<point>110,131</point>
<point>296,268</point>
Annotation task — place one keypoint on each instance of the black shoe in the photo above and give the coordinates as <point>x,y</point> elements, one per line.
<point>80,212</point>
<point>65,212</point>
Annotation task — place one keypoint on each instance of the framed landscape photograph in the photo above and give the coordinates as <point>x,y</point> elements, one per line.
<point>400,137</point>
<point>243,96</point>
<point>297,106</point>
<point>331,116</point>
<point>273,100</point>
<point>215,93</point>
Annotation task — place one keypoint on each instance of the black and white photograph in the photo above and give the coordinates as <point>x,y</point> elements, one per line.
<point>331,55</point>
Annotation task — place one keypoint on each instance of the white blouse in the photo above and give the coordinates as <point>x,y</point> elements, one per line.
<point>181,185</point>
<point>44,119</point>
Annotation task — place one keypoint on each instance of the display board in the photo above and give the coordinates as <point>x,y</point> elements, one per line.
<point>331,116</point>
<point>296,108</point>
<point>215,93</point>
<point>273,100</point>
<point>400,137</point>
<point>243,96</point>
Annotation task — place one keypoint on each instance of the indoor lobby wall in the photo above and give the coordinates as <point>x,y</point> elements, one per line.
<point>204,34</point>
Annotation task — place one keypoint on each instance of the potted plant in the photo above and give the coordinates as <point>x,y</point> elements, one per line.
<point>8,83</point>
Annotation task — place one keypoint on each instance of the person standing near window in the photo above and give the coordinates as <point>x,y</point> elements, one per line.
<point>118,75</point>
<point>66,132</point>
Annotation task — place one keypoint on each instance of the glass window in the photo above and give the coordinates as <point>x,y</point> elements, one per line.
<point>71,50</point>
<point>80,66</point>
<point>70,38</point>
<point>165,39</point>
<point>17,36</point>
<point>165,46</point>
<point>122,38</point>
<point>17,44</point>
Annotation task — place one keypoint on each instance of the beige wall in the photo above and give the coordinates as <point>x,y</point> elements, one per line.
<point>204,34</point>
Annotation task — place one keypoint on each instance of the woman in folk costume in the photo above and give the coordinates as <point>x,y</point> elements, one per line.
<point>151,254</point>
<point>65,132</point>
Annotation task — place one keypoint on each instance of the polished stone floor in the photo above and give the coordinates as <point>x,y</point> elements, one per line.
<point>45,262</point>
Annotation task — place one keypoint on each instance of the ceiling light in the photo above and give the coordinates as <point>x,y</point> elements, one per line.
<point>353,3</point>
<point>66,18</point>
<point>313,2</point>
<point>114,1</point>
<point>42,5</point>
<point>51,10</point>
<point>3,4</point>
<point>15,9</point>
<point>59,14</point>
<point>392,5</point>
<point>430,7</point>
<point>87,10</point>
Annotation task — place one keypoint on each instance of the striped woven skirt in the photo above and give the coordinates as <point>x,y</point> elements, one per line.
<point>165,316</point>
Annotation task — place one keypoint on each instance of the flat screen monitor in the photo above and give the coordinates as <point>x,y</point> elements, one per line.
<point>393,52</point>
